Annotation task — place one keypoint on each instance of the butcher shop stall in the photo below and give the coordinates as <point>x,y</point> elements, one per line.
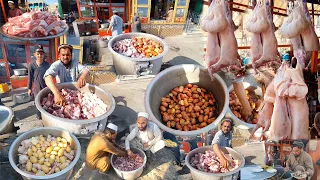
<point>241,114</point>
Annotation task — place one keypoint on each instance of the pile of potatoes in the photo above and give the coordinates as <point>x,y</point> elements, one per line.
<point>42,155</point>
<point>148,47</point>
<point>188,108</point>
<point>235,106</point>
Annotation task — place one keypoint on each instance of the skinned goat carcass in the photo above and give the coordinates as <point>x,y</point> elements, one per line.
<point>269,42</point>
<point>309,36</point>
<point>214,21</point>
<point>255,47</point>
<point>229,46</point>
<point>257,23</point>
<point>293,87</point>
<point>295,24</point>
<point>213,50</point>
<point>280,127</point>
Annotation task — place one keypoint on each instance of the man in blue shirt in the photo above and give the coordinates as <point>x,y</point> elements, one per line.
<point>65,70</point>
<point>223,138</point>
<point>116,24</point>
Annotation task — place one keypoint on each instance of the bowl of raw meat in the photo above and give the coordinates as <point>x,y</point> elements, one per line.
<point>129,168</point>
<point>45,153</point>
<point>34,25</point>
<point>86,109</point>
<point>253,93</point>
<point>137,53</point>
<point>184,100</point>
<point>204,164</point>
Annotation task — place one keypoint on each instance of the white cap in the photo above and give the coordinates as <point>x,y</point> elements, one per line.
<point>112,126</point>
<point>143,114</point>
<point>11,2</point>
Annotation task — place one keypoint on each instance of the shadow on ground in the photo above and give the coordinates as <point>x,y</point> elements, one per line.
<point>183,60</point>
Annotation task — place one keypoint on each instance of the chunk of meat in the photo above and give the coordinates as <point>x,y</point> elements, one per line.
<point>257,22</point>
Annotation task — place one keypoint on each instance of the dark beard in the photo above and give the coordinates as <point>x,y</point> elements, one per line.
<point>66,65</point>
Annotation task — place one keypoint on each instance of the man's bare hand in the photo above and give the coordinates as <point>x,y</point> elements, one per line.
<point>286,169</point>
<point>81,82</point>
<point>59,100</point>
<point>130,153</point>
<point>224,162</point>
<point>29,92</point>
<point>145,145</point>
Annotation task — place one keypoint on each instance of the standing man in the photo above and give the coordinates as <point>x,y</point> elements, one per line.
<point>36,72</point>
<point>299,160</point>
<point>65,70</point>
<point>100,148</point>
<point>169,14</point>
<point>223,138</point>
<point>147,132</point>
<point>116,24</point>
<point>13,11</point>
<point>136,23</point>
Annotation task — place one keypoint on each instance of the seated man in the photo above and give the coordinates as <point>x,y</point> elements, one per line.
<point>299,160</point>
<point>147,132</point>
<point>223,138</point>
<point>101,147</point>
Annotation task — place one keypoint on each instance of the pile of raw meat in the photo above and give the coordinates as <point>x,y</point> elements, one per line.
<point>209,162</point>
<point>138,47</point>
<point>128,163</point>
<point>78,105</point>
<point>34,24</point>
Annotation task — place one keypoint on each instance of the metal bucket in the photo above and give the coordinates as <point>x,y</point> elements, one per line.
<point>6,116</point>
<point>77,126</point>
<point>200,175</point>
<point>135,66</point>
<point>131,174</point>
<point>64,174</point>
<point>178,75</point>
<point>20,72</point>
<point>238,122</point>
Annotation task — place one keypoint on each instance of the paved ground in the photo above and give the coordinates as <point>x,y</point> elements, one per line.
<point>129,96</point>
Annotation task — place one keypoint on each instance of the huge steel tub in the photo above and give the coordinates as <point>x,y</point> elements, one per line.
<point>238,122</point>
<point>135,66</point>
<point>200,175</point>
<point>64,174</point>
<point>178,75</point>
<point>130,175</point>
<point>77,126</point>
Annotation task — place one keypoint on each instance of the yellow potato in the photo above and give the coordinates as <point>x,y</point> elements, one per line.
<point>56,169</point>
<point>40,173</point>
<point>29,166</point>
<point>58,139</point>
<point>63,159</point>
<point>41,161</point>
<point>34,170</point>
<point>51,161</point>
<point>47,143</point>
<point>35,155</point>
<point>38,145</point>
<point>68,149</point>
<point>34,149</point>
<point>43,149</point>
<point>33,159</point>
<point>47,155</point>
<point>53,143</point>
<point>57,159</point>
<point>57,148</point>
<point>64,141</point>
<point>45,168</point>
<point>60,152</point>
<point>54,152</point>
<point>40,155</point>
<point>65,145</point>
<point>29,152</point>
<point>47,164</point>
<point>63,166</point>
<point>42,139</point>
<point>49,149</point>
<point>60,144</point>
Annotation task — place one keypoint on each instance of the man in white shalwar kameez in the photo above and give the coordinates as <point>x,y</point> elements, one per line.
<point>147,132</point>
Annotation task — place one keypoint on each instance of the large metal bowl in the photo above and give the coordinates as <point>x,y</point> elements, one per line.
<point>64,174</point>
<point>130,175</point>
<point>178,75</point>
<point>77,126</point>
<point>200,175</point>
<point>129,66</point>
<point>238,122</point>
